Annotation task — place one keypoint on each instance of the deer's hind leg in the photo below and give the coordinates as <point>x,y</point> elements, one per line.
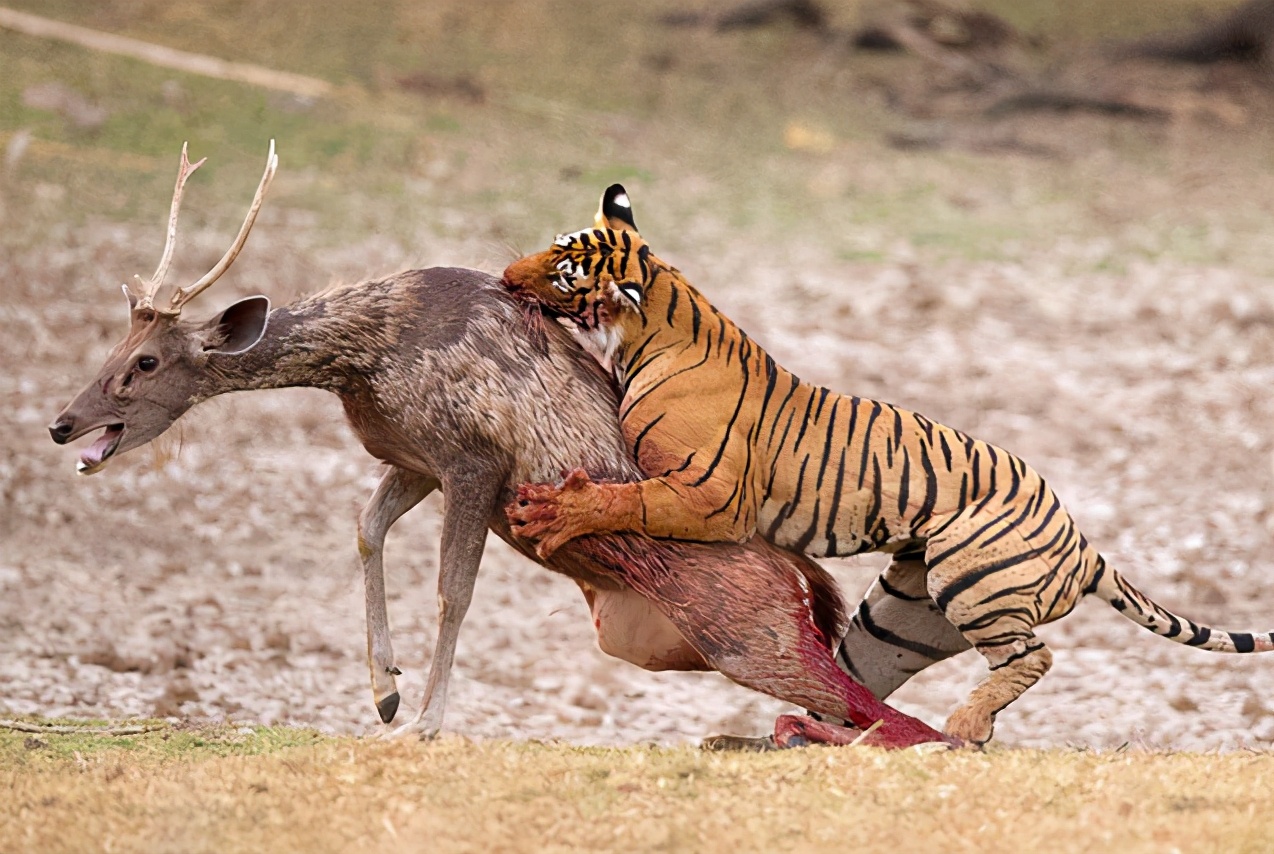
<point>987,582</point>
<point>895,632</point>
<point>399,490</point>
<point>750,617</point>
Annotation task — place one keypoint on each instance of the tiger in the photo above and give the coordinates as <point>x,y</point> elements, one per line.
<point>734,445</point>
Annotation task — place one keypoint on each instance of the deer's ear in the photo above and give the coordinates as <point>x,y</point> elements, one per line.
<point>239,327</point>
<point>615,210</point>
<point>130,296</point>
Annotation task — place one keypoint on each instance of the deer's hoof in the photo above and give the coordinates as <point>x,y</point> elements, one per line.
<point>414,730</point>
<point>388,707</point>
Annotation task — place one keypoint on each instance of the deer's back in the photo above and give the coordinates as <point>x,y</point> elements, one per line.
<point>462,377</point>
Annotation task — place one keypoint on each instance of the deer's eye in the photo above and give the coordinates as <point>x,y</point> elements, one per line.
<point>146,364</point>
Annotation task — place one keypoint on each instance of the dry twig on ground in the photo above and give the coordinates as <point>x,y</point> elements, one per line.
<point>54,729</point>
<point>164,57</point>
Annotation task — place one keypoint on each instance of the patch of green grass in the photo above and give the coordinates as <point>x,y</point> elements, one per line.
<point>849,254</point>
<point>443,124</point>
<point>164,741</point>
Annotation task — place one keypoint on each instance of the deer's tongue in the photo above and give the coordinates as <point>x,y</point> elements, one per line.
<point>95,455</point>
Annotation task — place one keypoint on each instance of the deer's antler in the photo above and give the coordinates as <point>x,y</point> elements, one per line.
<point>182,296</point>
<point>185,295</point>
<point>146,297</point>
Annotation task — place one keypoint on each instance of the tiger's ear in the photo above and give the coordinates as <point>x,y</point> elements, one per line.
<point>615,211</point>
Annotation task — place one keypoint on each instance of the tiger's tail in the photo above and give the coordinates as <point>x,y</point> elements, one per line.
<point>1144,611</point>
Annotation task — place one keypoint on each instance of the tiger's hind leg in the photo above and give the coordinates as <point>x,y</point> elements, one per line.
<point>990,596</point>
<point>1015,666</point>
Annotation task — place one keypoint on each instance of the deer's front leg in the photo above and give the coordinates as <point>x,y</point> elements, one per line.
<point>659,507</point>
<point>399,490</point>
<point>470,500</point>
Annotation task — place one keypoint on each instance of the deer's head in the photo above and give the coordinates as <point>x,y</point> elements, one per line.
<point>154,375</point>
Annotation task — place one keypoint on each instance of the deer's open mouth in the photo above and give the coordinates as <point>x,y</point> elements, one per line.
<point>95,455</point>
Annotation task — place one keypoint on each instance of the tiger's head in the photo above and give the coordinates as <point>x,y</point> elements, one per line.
<point>597,278</point>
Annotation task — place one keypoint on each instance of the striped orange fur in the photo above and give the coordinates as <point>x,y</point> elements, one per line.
<point>734,445</point>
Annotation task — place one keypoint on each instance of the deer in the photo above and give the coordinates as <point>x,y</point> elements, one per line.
<point>453,387</point>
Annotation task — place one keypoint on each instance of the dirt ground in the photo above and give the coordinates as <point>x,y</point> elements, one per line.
<point>1120,345</point>
<point>223,584</point>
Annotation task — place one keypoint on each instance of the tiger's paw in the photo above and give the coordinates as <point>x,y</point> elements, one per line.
<point>971,725</point>
<point>550,515</point>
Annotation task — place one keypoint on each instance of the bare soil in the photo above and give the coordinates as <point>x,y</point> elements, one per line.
<point>221,584</point>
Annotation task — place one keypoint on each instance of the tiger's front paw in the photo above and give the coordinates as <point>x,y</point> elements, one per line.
<point>549,515</point>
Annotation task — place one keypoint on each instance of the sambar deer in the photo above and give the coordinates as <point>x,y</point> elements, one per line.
<point>444,379</point>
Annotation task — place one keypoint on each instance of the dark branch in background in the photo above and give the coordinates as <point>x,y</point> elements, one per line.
<point>950,26</point>
<point>1244,35</point>
<point>1073,102</point>
<point>806,14</point>
<point>959,41</point>
<point>758,13</point>
<point>978,63</point>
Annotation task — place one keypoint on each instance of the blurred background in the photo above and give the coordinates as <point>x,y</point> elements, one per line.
<point>1047,224</point>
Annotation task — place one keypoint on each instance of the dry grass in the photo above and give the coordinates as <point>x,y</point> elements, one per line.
<point>233,789</point>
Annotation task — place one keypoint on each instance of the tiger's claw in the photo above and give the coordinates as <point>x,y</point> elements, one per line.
<point>575,479</point>
<point>541,512</point>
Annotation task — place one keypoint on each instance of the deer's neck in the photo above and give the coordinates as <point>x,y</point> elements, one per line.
<point>318,342</point>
